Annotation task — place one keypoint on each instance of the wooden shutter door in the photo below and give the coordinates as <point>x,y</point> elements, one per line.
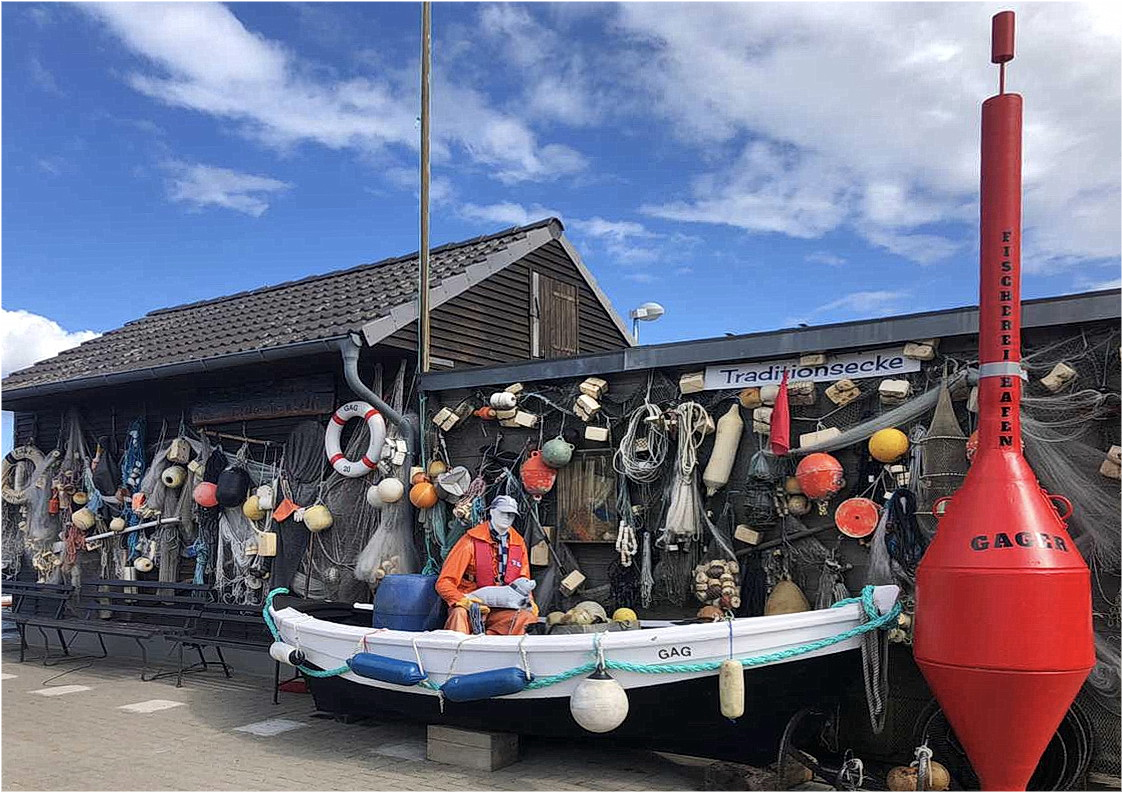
<point>557,302</point>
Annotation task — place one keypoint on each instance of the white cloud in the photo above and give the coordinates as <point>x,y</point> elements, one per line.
<point>203,58</point>
<point>612,229</point>
<point>825,257</point>
<point>769,188</point>
<point>556,84</point>
<point>871,303</point>
<point>507,213</point>
<point>875,107</point>
<point>201,186</point>
<point>26,338</point>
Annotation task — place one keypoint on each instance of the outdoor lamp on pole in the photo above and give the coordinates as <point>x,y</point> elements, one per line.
<point>648,312</point>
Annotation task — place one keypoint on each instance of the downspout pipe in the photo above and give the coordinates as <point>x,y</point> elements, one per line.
<point>408,423</point>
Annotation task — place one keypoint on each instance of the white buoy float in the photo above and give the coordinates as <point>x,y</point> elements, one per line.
<point>731,689</point>
<point>374,498</point>
<point>265,497</point>
<point>599,703</point>
<point>391,490</point>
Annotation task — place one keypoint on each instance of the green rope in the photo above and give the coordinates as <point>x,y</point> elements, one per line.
<point>277,637</point>
<point>866,599</point>
<point>875,622</point>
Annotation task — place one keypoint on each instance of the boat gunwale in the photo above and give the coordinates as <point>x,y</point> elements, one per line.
<point>742,627</point>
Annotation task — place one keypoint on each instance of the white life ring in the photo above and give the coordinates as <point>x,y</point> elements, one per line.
<point>14,494</point>
<point>377,426</point>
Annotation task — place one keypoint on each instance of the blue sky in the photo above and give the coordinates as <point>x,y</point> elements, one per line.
<point>747,165</point>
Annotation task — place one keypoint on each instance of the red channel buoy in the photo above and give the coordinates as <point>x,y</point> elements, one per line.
<point>1003,630</point>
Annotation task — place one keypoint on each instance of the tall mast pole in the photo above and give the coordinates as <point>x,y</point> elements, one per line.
<point>423,283</point>
<point>423,247</point>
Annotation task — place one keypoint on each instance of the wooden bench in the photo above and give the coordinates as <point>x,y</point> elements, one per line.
<point>231,626</point>
<point>137,610</point>
<point>34,604</point>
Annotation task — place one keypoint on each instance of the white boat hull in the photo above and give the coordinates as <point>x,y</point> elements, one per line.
<point>443,654</point>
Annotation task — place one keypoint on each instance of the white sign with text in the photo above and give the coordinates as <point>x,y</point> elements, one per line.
<point>874,363</point>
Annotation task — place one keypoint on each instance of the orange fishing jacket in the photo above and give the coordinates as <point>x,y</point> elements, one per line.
<point>458,574</point>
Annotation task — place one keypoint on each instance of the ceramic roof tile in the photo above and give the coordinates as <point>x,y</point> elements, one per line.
<point>306,310</point>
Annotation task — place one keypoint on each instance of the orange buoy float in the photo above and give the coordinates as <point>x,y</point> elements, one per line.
<point>1003,630</point>
<point>423,495</point>
<point>857,517</point>
<point>819,475</point>
<point>537,477</point>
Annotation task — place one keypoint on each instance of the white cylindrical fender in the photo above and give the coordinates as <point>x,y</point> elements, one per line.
<point>369,461</point>
<point>286,653</point>
<point>731,689</point>
<point>503,400</point>
<point>729,428</point>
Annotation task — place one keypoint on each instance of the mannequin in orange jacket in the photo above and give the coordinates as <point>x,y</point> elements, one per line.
<point>489,553</point>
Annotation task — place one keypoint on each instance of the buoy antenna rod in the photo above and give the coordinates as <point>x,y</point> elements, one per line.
<point>1002,44</point>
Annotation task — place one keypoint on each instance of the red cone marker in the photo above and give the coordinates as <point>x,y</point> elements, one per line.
<point>1003,598</point>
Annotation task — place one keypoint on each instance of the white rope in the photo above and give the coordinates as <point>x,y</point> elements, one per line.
<point>525,660</point>
<point>629,460</point>
<point>417,655</point>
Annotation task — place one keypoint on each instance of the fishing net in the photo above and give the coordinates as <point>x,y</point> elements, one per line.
<point>899,416</point>
<point>683,521</point>
<point>944,462</point>
<point>239,572</point>
<point>301,471</point>
<point>163,501</point>
<point>1067,464</point>
<point>385,542</point>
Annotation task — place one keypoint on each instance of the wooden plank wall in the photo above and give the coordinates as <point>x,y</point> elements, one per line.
<point>490,323</point>
<point>467,444</point>
<point>109,411</point>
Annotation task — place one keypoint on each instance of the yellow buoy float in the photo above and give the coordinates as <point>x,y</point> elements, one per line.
<point>888,445</point>
<point>317,518</point>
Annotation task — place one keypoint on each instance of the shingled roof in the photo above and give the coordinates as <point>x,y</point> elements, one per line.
<point>314,309</point>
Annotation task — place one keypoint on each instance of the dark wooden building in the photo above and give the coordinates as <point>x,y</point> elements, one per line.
<point>257,362</point>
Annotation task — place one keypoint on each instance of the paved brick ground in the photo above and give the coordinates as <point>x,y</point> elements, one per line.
<point>83,740</point>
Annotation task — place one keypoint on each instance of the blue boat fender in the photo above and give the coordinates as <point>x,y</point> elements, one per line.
<point>388,670</point>
<point>485,685</point>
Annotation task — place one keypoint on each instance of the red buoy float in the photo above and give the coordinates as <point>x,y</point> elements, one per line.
<point>857,517</point>
<point>1003,630</point>
<point>819,475</point>
<point>537,477</point>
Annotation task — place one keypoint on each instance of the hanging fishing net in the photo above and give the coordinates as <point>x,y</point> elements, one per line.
<point>899,416</point>
<point>165,501</point>
<point>940,462</point>
<point>363,540</point>
<point>386,543</point>
<point>301,472</point>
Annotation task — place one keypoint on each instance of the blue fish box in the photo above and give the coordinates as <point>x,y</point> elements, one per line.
<point>409,603</point>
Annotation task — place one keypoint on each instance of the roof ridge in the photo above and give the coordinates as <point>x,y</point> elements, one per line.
<point>334,273</point>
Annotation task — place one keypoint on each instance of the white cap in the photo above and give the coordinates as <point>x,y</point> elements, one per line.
<point>505,504</point>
